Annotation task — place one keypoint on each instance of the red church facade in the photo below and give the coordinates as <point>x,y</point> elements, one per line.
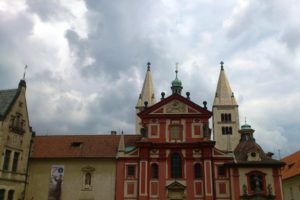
<point>175,159</point>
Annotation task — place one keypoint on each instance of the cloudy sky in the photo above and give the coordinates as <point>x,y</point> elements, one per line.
<point>87,60</point>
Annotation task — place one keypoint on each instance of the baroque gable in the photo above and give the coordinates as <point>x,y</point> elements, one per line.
<point>173,105</point>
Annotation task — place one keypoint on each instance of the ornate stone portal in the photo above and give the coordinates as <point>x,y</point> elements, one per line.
<point>176,191</point>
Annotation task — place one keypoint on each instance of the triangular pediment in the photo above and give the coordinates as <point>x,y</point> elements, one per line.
<point>176,186</point>
<point>175,104</point>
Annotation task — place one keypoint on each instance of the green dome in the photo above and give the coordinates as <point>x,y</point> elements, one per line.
<point>245,126</point>
<point>176,85</point>
<point>176,82</point>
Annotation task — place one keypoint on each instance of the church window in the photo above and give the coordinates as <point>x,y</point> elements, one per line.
<point>10,195</point>
<point>176,168</point>
<point>154,171</point>
<point>197,171</point>
<point>221,171</point>
<point>175,132</point>
<point>225,117</point>
<point>2,193</point>
<point>226,130</point>
<point>130,170</point>
<point>15,161</point>
<point>6,159</point>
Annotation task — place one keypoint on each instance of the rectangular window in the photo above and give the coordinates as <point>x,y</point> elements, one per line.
<point>130,170</point>
<point>15,162</point>
<point>197,130</point>
<point>6,160</point>
<point>197,171</point>
<point>225,117</point>
<point>175,132</point>
<point>221,171</point>
<point>154,130</point>
<point>226,130</point>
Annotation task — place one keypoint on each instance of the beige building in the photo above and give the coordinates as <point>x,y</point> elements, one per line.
<point>81,167</point>
<point>291,177</point>
<point>15,141</point>
<point>225,115</point>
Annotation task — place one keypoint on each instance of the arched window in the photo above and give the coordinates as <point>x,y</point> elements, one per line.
<point>10,195</point>
<point>197,171</point>
<point>88,179</point>
<point>176,168</point>
<point>154,171</point>
<point>2,193</point>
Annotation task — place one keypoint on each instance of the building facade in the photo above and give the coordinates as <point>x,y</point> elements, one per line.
<point>291,176</point>
<point>172,155</point>
<point>176,158</point>
<point>81,167</point>
<point>15,142</point>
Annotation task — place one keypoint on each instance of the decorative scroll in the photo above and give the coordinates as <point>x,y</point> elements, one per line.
<point>175,107</point>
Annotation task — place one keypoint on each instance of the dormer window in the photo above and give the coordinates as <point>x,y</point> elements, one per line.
<point>76,144</point>
<point>253,156</point>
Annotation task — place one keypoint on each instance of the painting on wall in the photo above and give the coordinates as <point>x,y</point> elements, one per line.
<point>56,179</point>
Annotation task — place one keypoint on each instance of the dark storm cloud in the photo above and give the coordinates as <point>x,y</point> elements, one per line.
<point>12,32</point>
<point>87,60</point>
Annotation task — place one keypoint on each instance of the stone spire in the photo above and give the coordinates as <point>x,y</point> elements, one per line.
<point>121,147</point>
<point>224,94</point>
<point>225,115</point>
<point>146,95</point>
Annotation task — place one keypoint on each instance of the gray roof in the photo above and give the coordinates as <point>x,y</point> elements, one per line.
<point>7,98</point>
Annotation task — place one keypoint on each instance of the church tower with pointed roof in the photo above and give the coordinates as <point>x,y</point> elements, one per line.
<point>146,97</point>
<point>225,115</point>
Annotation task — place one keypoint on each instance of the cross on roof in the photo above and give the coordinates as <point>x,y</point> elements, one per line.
<point>222,63</point>
<point>148,65</point>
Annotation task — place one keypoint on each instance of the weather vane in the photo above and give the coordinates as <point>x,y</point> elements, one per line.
<point>24,74</point>
<point>176,71</point>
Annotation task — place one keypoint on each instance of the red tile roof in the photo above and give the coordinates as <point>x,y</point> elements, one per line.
<point>88,146</point>
<point>292,167</point>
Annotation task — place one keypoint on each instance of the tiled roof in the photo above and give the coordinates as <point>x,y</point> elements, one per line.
<point>7,97</point>
<point>292,167</point>
<point>71,146</point>
<point>245,147</point>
